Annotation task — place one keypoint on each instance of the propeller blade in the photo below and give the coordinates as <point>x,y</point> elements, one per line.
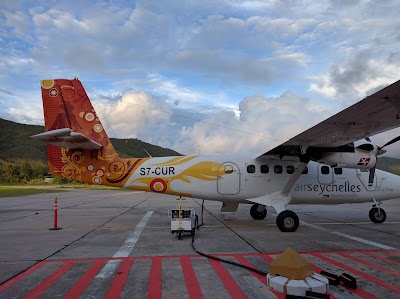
<point>371,176</point>
<point>391,142</point>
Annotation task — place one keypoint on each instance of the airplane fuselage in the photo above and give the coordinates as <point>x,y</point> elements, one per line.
<point>237,177</point>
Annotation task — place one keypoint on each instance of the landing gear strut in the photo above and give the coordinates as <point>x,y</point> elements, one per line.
<point>377,214</point>
<point>256,214</point>
<point>287,221</point>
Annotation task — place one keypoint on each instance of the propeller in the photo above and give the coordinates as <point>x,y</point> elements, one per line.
<point>390,142</point>
<point>370,147</point>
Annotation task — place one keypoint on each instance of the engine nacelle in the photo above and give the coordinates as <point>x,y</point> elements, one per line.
<point>359,159</point>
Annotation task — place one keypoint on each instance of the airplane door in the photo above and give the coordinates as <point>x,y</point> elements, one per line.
<point>229,182</point>
<point>325,174</point>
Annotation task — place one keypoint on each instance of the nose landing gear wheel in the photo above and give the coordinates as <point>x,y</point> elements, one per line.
<point>287,221</point>
<point>256,214</point>
<point>377,216</point>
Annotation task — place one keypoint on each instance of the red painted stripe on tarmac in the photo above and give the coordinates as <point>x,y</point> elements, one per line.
<point>267,257</point>
<point>358,291</point>
<point>155,286</point>
<point>118,284</point>
<point>242,260</point>
<point>36,292</point>
<point>359,273</point>
<point>395,253</point>
<point>82,283</point>
<point>376,256</point>
<point>230,284</point>
<point>369,264</point>
<point>21,276</point>
<point>192,285</point>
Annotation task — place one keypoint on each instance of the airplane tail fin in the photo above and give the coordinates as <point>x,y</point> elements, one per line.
<point>76,139</point>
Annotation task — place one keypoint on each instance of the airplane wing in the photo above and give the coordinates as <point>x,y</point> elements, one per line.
<point>375,114</point>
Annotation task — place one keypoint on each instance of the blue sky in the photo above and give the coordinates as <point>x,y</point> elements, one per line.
<point>201,76</point>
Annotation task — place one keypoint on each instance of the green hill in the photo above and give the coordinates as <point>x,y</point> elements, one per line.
<point>15,144</point>
<point>389,164</point>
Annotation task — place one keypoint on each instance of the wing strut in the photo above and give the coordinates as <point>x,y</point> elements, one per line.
<point>279,200</point>
<point>293,178</point>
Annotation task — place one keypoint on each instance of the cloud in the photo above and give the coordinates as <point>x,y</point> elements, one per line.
<point>360,75</point>
<point>19,21</point>
<point>263,124</point>
<point>137,113</point>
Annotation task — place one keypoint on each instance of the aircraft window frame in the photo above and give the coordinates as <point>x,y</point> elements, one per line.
<point>228,169</point>
<point>264,168</point>
<point>338,170</point>
<point>278,169</point>
<point>305,170</point>
<point>323,170</point>
<point>290,169</point>
<point>251,168</point>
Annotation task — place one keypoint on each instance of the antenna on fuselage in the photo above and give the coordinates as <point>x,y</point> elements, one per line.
<point>147,153</point>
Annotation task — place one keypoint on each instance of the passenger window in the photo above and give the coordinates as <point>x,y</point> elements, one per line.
<point>305,170</point>
<point>228,168</point>
<point>278,169</point>
<point>325,170</point>
<point>251,169</point>
<point>289,169</point>
<point>264,169</point>
<point>338,171</point>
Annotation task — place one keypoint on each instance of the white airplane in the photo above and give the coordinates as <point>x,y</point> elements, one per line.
<point>322,165</point>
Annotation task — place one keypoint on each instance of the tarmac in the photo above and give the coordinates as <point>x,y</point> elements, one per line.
<point>119,244</point>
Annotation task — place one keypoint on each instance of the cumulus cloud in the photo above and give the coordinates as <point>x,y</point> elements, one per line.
<point>137,113</point>
<point>263,123</point>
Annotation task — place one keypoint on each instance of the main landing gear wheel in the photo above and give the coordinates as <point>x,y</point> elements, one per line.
<point>256,214</point>
<point>377,215</point>
<point>287,221</point>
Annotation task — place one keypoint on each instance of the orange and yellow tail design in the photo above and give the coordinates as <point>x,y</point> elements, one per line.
<point>70,120</point>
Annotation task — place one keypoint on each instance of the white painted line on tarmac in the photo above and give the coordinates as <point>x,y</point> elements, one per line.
<point>108,269</point>
<point>365,241</point>
<point>130,242</point>
<point>125,249</point>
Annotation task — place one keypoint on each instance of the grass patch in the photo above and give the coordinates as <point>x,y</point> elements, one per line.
<point>12,191</point>
<point>90,187</point>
